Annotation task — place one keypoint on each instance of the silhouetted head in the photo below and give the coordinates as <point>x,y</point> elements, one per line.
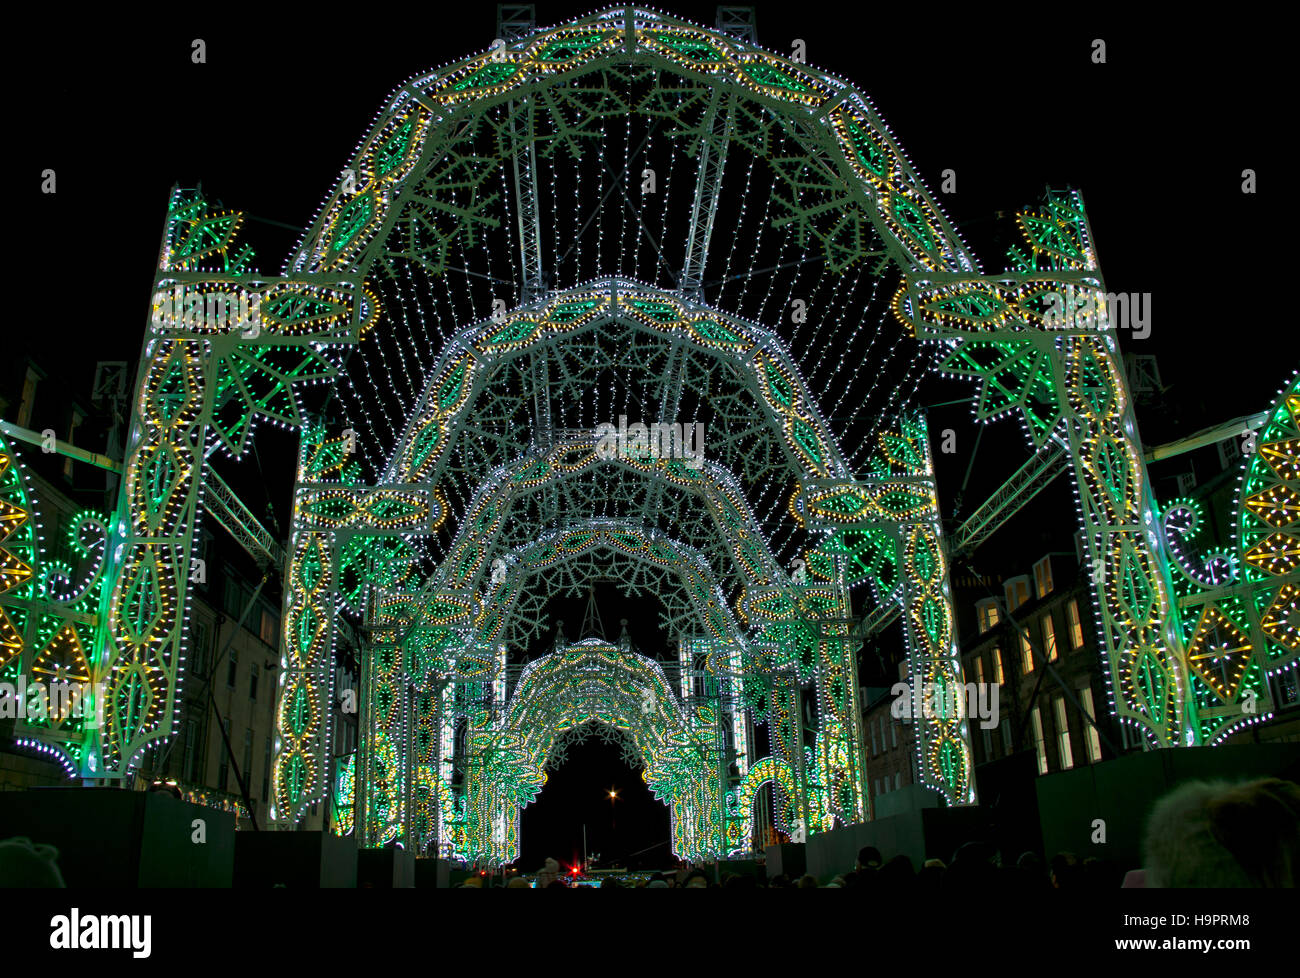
<point>869,858</point>
<point>1225,835</point>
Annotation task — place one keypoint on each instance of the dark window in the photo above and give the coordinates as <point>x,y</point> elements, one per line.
<point>191,736</point>
<point>252,682</point>
<point>223,771</point>
<point>30,382</point>
<point>77,419</point>
<point>205,554</point>
<point>234,597</point>
<point>195,770</point>
<point>199,651</point>
<point>232,669</point>
<point>266,772</point>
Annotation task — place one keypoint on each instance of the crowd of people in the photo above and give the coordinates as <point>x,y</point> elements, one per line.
<point>1202,834</point>
<point>974,866</point>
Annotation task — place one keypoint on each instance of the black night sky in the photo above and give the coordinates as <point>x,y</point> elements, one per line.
<point>631,831</point>
<point>1156,140</point>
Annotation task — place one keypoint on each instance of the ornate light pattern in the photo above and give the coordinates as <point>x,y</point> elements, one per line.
<point>594,682</point>
<point>1062,372</point>
<point>484,428</point>
<point>1241,603</point>
<point>47,609</point>
<point>870,175</point>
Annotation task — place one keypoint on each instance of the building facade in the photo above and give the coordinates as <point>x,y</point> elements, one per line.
<point>1036,681</point>
<point>222,752</point>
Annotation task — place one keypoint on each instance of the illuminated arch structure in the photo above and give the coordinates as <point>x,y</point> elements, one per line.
<point>595,682</point>
<point>404,501</point>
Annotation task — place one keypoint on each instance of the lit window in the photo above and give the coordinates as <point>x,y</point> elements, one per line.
<point>1039,747</point>
<point>979,669</point>
<point>986,612</point>
<point>998,673</point>
<point>1017,589</point>
<point>1043,576</point>
<point>1026,653</point>
<point>1090,738</point>
<point>268,628</point>
<point>1076,624</point>
<point>1063,752</point>
<point>1049,638</point>
<point>1286,691</point>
